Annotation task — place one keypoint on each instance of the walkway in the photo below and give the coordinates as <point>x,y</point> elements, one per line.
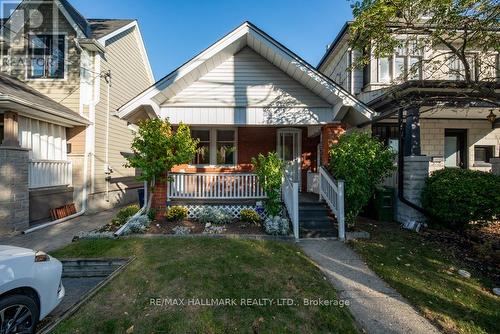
<point>376,307</point>
<point>57,236</point>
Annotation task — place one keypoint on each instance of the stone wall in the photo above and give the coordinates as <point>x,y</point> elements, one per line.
<point>495,166</point>
<point>416,171</point>
<point>14,194</point>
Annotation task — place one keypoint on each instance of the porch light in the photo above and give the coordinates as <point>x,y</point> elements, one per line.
<point>491,117</point>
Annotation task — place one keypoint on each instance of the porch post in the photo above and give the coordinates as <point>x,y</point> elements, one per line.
<point>11,129</point>
<point>412,132</point>
<point>330,134</point>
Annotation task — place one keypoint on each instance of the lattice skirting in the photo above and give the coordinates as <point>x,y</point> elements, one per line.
<point>194,210</point>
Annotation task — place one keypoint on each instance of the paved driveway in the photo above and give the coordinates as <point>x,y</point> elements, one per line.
<point>57,236</point>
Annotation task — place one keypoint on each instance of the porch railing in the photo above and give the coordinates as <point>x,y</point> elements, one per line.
<point>290,194</point>
<point>332,191</point>
<point>215,186</point>
<point>49,173</point>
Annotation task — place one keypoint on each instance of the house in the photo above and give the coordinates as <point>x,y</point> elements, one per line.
<point>62,76</point>
<point>244,95</point>
<point>444,131</point>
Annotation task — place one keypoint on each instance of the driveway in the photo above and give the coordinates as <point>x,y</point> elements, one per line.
<point>57,236</point>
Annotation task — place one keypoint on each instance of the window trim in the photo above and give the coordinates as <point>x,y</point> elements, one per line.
<point>213,147</point>
<point>28,60</point>
<point>480,163</point>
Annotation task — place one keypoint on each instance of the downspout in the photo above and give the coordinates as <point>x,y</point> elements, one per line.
<point>107,169</point>
<point>145,208</point>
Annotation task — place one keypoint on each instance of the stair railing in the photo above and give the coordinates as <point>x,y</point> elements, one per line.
<point>332,192</point>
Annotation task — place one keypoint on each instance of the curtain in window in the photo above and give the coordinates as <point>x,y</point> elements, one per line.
<point>46,141</point>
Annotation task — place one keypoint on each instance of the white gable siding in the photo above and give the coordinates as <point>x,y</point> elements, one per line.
<point>246,80</point>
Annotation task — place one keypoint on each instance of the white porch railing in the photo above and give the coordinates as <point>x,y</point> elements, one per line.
<point>290,194</point>
<point>215,186</point>
<point>49,173</point>
<point>332,192</point>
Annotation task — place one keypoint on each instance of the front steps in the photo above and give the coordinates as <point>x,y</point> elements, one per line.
<point>315,219</point>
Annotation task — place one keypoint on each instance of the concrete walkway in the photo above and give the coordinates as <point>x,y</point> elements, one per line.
<point>376,307</point>
<point>57,236</point>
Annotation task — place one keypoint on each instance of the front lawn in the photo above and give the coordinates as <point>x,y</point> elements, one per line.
<point>206,268</point>
<point>425,271</point>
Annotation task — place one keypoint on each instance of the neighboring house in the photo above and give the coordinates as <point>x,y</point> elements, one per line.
<point>82,69</point>
<point>244,95</point>
<point>449,133</point>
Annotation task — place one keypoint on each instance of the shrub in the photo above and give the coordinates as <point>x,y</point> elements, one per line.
<point>362,162</point>
<point>124,214</point>
<point>276,226</point>
<point>269,170</point>
<point>138,225</point>
<point>249,216</point>
<point>215,215</point>
<point>176,213</point>
<point>456,197</point>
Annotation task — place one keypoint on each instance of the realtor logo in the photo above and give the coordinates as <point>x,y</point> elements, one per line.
<point>31,41</point>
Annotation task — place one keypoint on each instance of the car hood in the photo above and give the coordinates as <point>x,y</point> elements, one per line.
<point>8,252</point>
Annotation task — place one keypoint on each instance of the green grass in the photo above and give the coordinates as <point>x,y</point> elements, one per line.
<point>426,274</point>
<point>205,268</point>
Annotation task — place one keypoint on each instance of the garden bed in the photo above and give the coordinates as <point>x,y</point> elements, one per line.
<point>195,227</point>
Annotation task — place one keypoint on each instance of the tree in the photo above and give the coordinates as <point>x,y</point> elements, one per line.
<point>157,148</point>
<point>463,31</point>
<point>362,162</point>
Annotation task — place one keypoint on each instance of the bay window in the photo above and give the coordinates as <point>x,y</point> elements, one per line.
<point>47,56</point>
<point>384,74</point>
<point>216,146</point>
<point>405,63</point>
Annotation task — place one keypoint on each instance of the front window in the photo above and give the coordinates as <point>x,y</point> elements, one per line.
<point>384,74</point>
<point>483,154</point>
<point>216,146</point>
<point>202,156</point>
<point>226,147</point>
<point>47,56</point>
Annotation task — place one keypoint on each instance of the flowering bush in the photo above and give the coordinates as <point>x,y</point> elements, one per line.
<point>250,216</point>
<point>176,213</point>
<point>276,226</point>
<point>215,215</point>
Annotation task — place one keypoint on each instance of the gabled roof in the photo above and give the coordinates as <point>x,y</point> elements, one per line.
<point>88,28</point>
<point>17,92</point>
<point>246,35</point>
<point>334,43</point>
<point>104,27</point>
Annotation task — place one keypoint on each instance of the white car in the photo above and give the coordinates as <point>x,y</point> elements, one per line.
<point>30,288</point>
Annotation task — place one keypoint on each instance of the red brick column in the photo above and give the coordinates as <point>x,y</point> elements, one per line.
<point>159,202</point>
<point>330,135</point>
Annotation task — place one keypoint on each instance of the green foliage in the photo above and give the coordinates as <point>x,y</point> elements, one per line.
<point>249,216</point>
<point>176,213</point>
<point>152,214</point>
<point>457,27</point>
<point>362,162</point>
<point>269,170</point>
<point>124,214</point>
<point>157,148</point>
<point>456,197</point>
<point>215,215</point>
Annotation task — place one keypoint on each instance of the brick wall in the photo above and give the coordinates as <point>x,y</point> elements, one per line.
<point>14,195</point>
<point>331,134</point>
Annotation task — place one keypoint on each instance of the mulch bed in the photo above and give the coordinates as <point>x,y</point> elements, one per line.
<point>478,246</point>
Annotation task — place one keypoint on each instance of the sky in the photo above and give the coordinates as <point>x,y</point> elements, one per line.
<point>174,31</point>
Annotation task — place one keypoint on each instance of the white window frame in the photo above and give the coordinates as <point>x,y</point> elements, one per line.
<point>213,146</point>
<point>28,59</point>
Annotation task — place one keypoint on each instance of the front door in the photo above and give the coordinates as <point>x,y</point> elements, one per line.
<point>289,150</point>
<point>455,143</point>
